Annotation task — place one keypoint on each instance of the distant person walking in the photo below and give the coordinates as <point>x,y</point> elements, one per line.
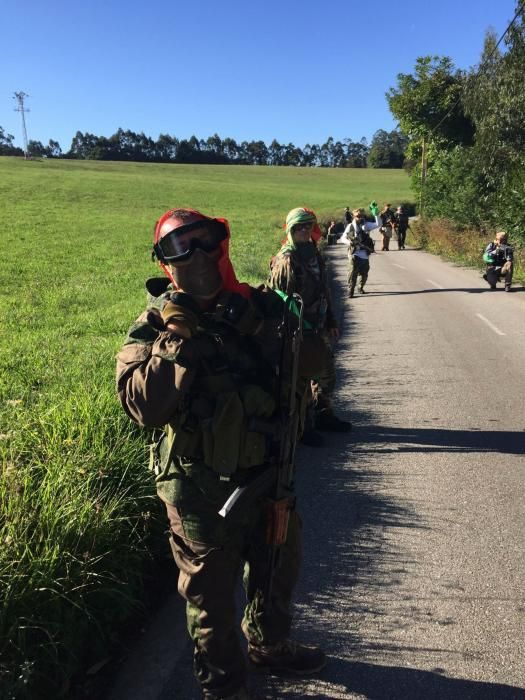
<point>387,217</point>
<point>401,225</point>
<point>499,258</point>
<point>360,246</point>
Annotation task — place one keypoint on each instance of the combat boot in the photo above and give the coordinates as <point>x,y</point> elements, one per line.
<point>288,657</point>
<point>327,420</point>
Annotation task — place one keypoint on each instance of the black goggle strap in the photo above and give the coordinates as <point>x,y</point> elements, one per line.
<point>161,249</point>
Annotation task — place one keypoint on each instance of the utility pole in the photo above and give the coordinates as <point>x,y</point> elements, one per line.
<point>423,174</point>
<point>20,96</point>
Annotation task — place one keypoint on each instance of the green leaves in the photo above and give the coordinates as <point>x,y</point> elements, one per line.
<point>474,133</point>
<point>428,102</point>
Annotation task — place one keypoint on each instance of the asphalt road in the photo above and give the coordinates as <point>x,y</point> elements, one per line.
<point>414,571</point>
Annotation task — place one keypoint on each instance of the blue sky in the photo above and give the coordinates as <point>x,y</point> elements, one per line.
<point>290,70</point>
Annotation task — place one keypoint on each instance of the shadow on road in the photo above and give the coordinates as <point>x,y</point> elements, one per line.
<point>380,438</point>
<point>396,683</point>
<point>468,290</point>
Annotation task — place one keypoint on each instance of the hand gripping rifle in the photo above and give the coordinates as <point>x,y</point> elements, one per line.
<point>279,475</point>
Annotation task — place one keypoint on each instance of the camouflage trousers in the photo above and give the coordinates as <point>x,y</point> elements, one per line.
<point>212,554</point>
<point>495,273</point>
<point>401,234</point>
<point>320,367</point>
<point>358,268</point>
<point>386,235</point>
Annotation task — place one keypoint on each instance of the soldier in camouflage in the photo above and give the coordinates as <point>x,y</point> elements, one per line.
<point>200,363</point>
<point>299,267</point>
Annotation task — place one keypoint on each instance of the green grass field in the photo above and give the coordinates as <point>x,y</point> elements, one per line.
<point>78,513</point>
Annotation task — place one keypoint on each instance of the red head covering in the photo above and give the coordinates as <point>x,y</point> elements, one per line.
<point>316,231</point>
<point>229,279</point>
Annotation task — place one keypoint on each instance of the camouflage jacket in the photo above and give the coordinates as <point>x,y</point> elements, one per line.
<point>290,274</point>
<point>214,395</point>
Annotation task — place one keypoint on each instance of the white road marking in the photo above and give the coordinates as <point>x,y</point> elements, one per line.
<point>491,325</point>
<point>435,284</point>
<point>401,266</point>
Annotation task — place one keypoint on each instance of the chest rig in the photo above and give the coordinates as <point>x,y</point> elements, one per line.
<point>226,418</point>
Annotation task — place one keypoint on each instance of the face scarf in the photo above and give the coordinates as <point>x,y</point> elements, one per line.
<point>199,276</point>
<point>305,251</point>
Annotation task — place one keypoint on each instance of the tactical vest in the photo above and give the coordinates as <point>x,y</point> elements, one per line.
<point>227,419</point>
<point>311,282</point>
<point>402,221</point>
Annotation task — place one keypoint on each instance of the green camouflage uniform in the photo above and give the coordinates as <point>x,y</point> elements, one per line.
<point>215,397</point>
<point>289,273</point>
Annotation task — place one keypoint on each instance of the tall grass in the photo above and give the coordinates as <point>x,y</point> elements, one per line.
<point>79,519</point>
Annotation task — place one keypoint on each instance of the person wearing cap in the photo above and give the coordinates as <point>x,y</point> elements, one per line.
<point>387,218</point>
<point>360,246</point>
<point>202,363</point>
<point>299,268</point>
<point>499,256</point>
<point>401,225</point>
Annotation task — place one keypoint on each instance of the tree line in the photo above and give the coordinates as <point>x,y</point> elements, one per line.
<point>466,133</point>
<point>386,150</point>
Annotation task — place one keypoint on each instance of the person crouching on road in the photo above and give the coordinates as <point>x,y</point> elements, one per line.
<point>360,246</point>
<point>201,363</point>
<point>299,267</point>
<point>499,258</point>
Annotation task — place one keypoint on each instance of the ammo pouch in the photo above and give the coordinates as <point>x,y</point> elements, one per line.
<point>228,430</point>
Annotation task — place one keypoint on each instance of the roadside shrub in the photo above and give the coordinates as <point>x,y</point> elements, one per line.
<point>459,243</point>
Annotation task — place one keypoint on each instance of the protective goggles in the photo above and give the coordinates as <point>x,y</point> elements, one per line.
<point>303,226</point>
<point>180,244</point>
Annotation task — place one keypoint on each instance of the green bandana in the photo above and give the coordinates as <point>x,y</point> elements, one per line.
<point>297,216</point>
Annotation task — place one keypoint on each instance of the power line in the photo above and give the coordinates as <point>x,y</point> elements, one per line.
<point>20,97</point>
<point>481,68</point>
